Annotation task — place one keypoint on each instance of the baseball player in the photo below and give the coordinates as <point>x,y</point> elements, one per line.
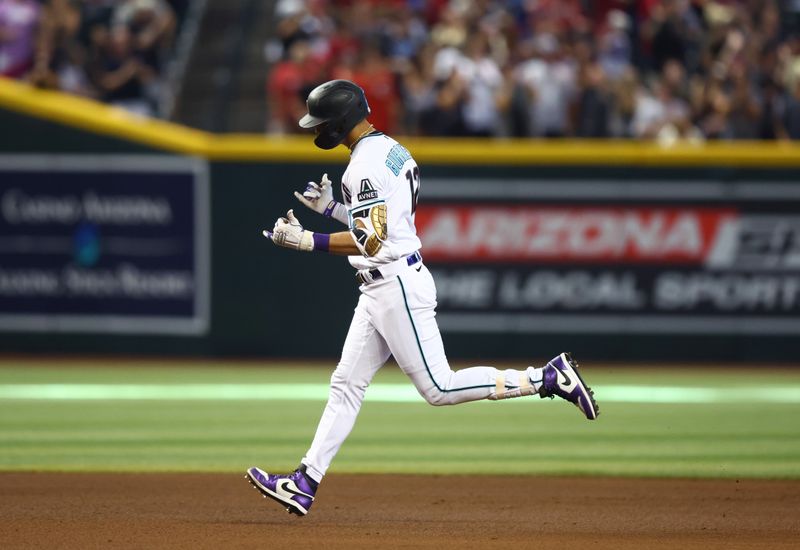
<point>396,310</point>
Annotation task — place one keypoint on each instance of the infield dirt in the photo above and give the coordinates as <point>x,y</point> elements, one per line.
<point>80,511</point>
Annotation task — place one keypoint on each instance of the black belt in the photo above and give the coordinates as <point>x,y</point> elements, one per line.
<point>376,274</point>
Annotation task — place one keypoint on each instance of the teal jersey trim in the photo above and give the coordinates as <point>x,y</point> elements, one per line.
<point>422,353</point>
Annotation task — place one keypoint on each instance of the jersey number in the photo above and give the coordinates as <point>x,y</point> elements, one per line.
<point>413,183</point>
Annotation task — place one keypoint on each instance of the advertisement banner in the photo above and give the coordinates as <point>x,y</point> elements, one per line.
<point>104,243</point>
<point>563,256</point>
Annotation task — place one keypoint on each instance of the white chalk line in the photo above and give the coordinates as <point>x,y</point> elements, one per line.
<point>385,393</point>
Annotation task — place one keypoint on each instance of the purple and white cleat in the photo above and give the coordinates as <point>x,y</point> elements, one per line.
<point>561,378</point>
<point>294,491</point>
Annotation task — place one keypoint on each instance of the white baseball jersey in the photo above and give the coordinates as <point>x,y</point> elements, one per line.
<point>381,171</point>
<point>396,314</point>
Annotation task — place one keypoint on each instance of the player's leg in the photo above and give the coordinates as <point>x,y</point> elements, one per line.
<point>413,337</point>
<point>363,354</point>
<point>405,315</point>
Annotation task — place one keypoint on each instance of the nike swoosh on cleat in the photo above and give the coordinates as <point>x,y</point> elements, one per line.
<point>568,384</point>
<point>287,486</point>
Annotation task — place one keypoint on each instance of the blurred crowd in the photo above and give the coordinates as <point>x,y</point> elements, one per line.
<point>666,70</point>
<point>111,50</point>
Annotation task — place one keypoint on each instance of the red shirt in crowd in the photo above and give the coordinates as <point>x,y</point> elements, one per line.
<point>380,87</point>
<point>288,83</point>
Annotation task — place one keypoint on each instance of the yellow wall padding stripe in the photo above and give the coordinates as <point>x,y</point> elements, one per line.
<point>99,118</point>
<point>105,120</point>
<point>102,119</point>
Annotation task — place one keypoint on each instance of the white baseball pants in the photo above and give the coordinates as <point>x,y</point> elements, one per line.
<point>396,316</point>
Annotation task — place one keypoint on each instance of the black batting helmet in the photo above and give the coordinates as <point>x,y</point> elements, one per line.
<point>338,105</point>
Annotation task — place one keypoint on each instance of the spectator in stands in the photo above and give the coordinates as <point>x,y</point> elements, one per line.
<point>672,32</point>
<point>110,49</point>
<point>550,78</point>
<point>418,98</point>
<point>652,69</point>
<point>341,47</point>
<point>745,108</point>
<point>404,36</point>
<point>121,76</point>
<point>371,72</point>
<point>594,104</point>
<point>19,24</point>
<point>94,12</point>
<point>61,58</point>
<point>614,45</point>
<point>481,94</point>
<point>445,116</point>
<point>715,107</point>
<point>662,110</point>
<point>451,29</point>
<point>791,119</point>
<point>624,93</point>
<point>650,112</point>
<point>488,94</point>
<point>773,106</point>
<point>289,84</point>
<point>151,24</point>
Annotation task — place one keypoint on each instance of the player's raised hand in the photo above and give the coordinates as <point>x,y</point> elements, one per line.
<point>289,233</point>
<point>318,196</point>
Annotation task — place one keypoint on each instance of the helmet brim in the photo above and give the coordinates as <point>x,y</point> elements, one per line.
<point>309,121</point>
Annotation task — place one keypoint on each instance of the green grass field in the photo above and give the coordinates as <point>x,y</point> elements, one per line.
<point>212,416</point>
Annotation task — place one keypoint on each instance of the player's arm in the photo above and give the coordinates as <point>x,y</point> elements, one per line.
<point>342,244</point>
<point>366,237</point>
<point>289,233</point>
<point>319,198</point>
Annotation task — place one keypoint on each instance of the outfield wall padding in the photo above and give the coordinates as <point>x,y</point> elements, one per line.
<point>629,284</point>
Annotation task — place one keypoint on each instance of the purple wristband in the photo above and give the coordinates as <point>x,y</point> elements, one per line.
<point>329,209</point>
<point>322,242</point>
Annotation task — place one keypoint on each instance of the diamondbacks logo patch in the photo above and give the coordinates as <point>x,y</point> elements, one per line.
<point>367,191</point>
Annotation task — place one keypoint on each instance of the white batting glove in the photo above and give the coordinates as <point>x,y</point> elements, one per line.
<point>288,233</point>
<point>319,198</point>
